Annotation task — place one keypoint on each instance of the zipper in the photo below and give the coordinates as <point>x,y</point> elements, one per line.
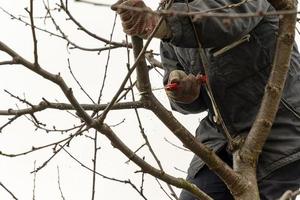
<point>290,108</point>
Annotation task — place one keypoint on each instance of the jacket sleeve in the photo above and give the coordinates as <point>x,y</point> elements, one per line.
<point>213,31</point>
<point>170,63</point>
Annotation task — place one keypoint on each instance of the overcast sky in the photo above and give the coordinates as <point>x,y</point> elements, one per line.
<point>20,136</point>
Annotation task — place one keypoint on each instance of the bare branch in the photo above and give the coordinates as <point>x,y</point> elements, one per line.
<point>143,84</point>
<point>65,37</point>
<point>10,62</point>
<point>44,146</point>
<point>147,168</point>
<point>28,24</point>
<point>7,190</point>
<point>93,3</point>
<point>34,181</point>
<point>271,99</point>
<point>64,106</point>
<point>57,79</point>
<point>136,151</point>
<point>290,195</point>
<point>94,164</point>
<point>59,185</point>
<point>103,176</point>
<point>138,58</point>
<point>33,34</point>
<point>23,100</point>
<point>234,181</point>
<point>10,121</point>
<point>208,13</point>
<point>150,58</point>
<point>162,188</point>
<point>184,149</point>
<point>78,83</point>
<point>107,62</point>
<point>63,7</point>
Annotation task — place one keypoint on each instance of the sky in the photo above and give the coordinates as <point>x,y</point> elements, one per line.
<point>21,135</point>
<point>74,180</point>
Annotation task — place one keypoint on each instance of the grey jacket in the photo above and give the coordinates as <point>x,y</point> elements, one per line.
<point>240,55</point>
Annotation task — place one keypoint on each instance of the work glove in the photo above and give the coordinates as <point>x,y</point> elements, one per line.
<point>188,87</point>
<point>140,23</point>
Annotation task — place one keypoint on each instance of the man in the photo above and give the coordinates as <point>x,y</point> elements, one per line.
<point>240,52</point>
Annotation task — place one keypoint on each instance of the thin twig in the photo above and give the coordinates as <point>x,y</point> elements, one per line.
<point>65,106</point>
<point>93,3</point>
<point>11,120</point>
<point>94,164</point>
<point>28,24</point>
<point>107,62</point>
<point>141,54</point>
<point>23,100</point>
<point>7,190</point>
<point>78,132</point>
<point>64,35</point>
<point>63,7</point>
<point>126,91</point>
<point>136,151</point>
<point>150,58</point>
<point>180,170</point>
<point>146,167</point>
<point>142,183</point>
<point>78,83</point>
<point>208,14</point>
<point>117,124</point>
<point>55,151</point>
<point>36,62</point>
<point>34,181</point>
<point>59,185</point>
<point>181,148</point>
<point>103,176</point>
<point>9,62</point>
<point>163,189</point>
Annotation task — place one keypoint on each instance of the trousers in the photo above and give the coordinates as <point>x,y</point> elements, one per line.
<point>270,188</point>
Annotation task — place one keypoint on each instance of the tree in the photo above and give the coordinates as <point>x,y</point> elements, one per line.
<point>94,116</point>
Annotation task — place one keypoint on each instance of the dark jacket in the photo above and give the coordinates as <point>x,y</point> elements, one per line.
<point>240,54</point>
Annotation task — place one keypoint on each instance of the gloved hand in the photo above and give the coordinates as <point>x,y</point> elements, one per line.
<point>188,89</point>
<point>139,23</point>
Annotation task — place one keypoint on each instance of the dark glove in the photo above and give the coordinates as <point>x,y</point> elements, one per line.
<point>188,88</point>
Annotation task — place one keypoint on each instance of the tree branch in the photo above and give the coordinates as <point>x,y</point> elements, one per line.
<point>117,44</point>
<point>147,168</point>
<point>235,182</point>
<point>33,34</point>
<point>10,62</point>
<point>7,190</point>
<point>93,3</point>
<point>57,79</point>
<point>267,112</point>
<point>43,105</point>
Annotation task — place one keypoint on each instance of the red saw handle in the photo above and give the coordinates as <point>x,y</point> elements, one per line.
<point>174,86</point>
<point>171,86</point>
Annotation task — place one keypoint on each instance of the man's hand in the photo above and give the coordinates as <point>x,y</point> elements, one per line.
<point>188,89</point>
<point>139,22</point>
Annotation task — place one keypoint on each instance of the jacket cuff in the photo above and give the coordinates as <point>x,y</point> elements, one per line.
<point>191,108</point>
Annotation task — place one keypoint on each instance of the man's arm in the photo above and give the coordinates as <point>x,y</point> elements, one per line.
<point>170,63</point>
<point>213,31</point>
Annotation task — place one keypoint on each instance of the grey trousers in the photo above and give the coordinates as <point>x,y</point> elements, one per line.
<point>271,187</point>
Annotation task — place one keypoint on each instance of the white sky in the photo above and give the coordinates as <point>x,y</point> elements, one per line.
<point>76,181</point>
<point>21,135</point>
